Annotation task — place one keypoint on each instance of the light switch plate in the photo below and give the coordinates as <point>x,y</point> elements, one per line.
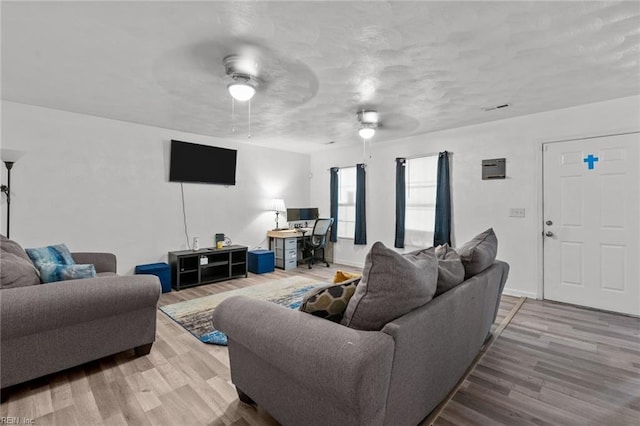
<point>516,212</point>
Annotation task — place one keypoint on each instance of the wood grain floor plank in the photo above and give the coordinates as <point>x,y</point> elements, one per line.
<point>61,396</point>
<point>459,414</point>
<point>551,413</point>
<point>108,404</point>
<point>178,410</point>
<point>130,408</point>
<point>155,382</point>
<point>597,413</point>
<point>64,416</point>
<point>199,409</point>
<point>159,416</point>
<point>495,410</point>
<point>84,398</point>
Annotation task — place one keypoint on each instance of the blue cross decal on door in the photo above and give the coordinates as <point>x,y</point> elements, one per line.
<point>590,160</point>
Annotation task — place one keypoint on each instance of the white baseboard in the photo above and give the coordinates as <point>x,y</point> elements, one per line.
<point>519,293</point>
<point>347,263</point>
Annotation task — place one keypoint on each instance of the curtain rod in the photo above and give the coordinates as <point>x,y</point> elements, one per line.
<point>345,167</point>
<point>433,154</point>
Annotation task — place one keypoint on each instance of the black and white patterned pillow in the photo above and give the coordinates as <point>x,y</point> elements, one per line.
<point>330,301</point>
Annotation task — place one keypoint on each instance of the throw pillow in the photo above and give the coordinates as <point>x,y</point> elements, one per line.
<point>479,253</point>
<point>330,302</point>
<point>16,271</point>
<point>450,269</point>
<point>51,272</point>
<point>392,285</point>
<point>342,276</point>
<point>58,254</point>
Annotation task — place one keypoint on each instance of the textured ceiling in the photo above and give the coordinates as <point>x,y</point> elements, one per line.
<point>424,66</point>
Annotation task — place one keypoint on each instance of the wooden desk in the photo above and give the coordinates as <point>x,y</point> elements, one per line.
<point>286,233</point>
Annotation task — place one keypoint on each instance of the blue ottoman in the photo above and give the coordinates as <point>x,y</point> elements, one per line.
<point>160,270</point>
<point>261,261</point>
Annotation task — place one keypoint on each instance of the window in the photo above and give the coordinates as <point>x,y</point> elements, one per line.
<point>420,189</point>
<point>347,202</point>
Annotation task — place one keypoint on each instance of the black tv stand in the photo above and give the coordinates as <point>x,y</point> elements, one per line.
<point>190,268</point>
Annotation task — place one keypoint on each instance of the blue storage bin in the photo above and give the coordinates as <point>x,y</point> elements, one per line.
<point>160,270</point>
<point>261,261</point>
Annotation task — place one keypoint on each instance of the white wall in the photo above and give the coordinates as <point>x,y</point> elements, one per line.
<point>102,185</point>
<point>477,204</point>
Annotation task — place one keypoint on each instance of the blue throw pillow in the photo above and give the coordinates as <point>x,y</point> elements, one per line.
<point>51,272</point>
<point>58,254</point>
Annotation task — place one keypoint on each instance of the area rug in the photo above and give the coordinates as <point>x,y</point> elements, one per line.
<point>195,315</point>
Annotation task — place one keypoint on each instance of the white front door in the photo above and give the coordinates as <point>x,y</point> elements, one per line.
<point>592,222</point>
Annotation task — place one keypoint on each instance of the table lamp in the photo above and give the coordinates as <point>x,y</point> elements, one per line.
<point>277,205</point>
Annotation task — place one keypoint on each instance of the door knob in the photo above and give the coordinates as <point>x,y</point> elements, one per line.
<point>548,234</point>
<point>549,223</point>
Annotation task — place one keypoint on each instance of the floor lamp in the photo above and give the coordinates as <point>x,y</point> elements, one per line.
<point>9,157</point>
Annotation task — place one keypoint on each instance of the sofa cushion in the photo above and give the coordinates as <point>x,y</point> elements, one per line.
<point>392,285</point>
<point>51,272</point>
<point>330,301</point>
<point>15,271</point>
<point>450,269</point>
<point>58,254</point>
<point>10,246</point>
<point>479,253</point>
<point>342,276</point>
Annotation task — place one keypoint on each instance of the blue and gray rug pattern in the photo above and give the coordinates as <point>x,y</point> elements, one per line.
<point>195,315</point>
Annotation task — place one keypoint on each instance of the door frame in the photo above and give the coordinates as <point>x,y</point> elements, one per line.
<point>540,196</point>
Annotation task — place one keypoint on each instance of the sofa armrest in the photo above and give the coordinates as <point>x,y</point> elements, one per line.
<point>33,309</point>
<point>347,364</point>
<point>104,262</point>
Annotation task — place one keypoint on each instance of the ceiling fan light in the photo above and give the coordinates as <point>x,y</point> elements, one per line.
<point>241,91</point>
<point>366,132</point>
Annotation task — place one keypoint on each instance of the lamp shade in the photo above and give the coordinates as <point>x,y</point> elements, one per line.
<point>10,155</point>
<point>277,205</point>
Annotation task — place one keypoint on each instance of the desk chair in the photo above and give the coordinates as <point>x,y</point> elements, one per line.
<point>317,239</point>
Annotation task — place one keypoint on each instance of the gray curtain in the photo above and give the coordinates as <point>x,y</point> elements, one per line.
<point>400,201</point>
<point>442,231</point>
<point>360,237</point>
<point>333,207</point>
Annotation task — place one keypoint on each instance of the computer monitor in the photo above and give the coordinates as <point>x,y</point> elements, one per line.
<point>294,215</point>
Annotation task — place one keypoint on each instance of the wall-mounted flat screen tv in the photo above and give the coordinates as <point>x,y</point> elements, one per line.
<point>192,162</point>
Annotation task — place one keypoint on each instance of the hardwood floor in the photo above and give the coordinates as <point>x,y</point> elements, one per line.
<point>552,364</point>
<point>555,364</point>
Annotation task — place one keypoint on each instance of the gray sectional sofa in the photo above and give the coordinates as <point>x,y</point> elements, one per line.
<point>45,328</point>
<point>303,369</point>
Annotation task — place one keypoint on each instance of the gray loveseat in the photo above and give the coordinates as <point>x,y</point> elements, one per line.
<point>307,370</point>
<point>45,328</point>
